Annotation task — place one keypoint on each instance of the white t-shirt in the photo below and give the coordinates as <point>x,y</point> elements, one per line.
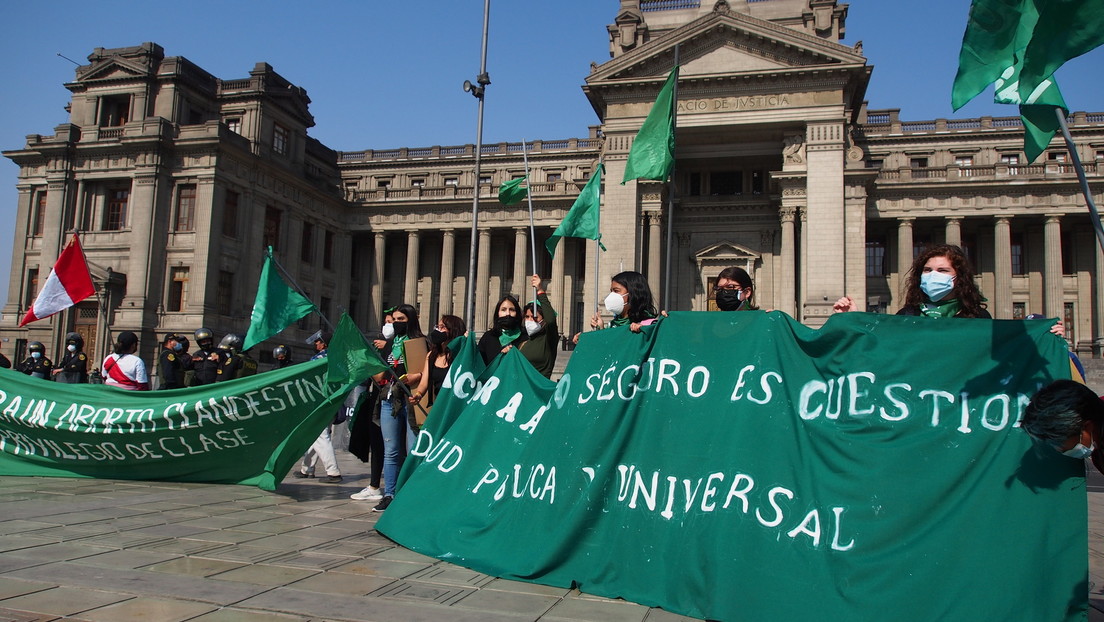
<point>131,366</point>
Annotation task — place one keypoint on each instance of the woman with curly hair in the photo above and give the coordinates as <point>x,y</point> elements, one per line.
<point>629,301</point>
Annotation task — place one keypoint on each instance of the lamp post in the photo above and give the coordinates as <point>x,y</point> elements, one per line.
<point>477,90</point>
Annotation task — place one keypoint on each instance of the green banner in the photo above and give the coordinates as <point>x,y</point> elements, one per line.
<point>741,466</point>
<point>247,431</point>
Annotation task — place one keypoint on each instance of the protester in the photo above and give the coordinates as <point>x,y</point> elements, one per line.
<point>123,368</point>
<point>73,367</point>
<point>438,361</point>
<point>542,331</point>
<point>365,436</point>
<point>1069,417</point>
<point>281,356</point>
<point>322,448</point>
<point>5,362</point>
<point>393,414</point>
<point>505,329</point>
<point>629,302</point>
<point>170,366</point>
<point>733,290</point>
<point>36,365</point>
<point>207,359</point>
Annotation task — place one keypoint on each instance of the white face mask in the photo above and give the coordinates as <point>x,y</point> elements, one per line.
<point>71,348</point>
<point>614,303</point>
<point>1079,451</point>
<point>532,327</point>
<point>388,331</point>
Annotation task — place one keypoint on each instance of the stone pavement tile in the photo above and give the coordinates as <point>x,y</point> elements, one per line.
<point>126,559</point>
<point>380,568</point>
<point>310,561</point>
<point>138,521</point>
<point>575,609</point>
<point>295,541</point>
<point>334,531</point>
<point>398,554</point>
<point>226,536</point>
<point>340,607</point>
<point>243,553</point>
<point>14,542</point>
<point>13,527</point>
<point>274,526</point>
<point>419,592</point>
<point>192,566</point>
<point>62,533</point>
<point>144,608</point>
<point>170,531</point>
<point>182,546</point>
<point>216,522</point>
<point>350,548</point>
<point>264,574</point>
<point>62,601</point>
<point>522,587</point>
<point>10,615</point>
<point>448,574</point>
<point>337,583</point>
<point>139,582</point>
<point>60,551</point>
<point>15,587</point>
<point>121,539</point>
<point>531,605</point>
<point>241,615</point>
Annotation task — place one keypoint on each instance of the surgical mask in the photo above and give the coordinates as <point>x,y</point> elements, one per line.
<point>614,303</point>
<point>936,285</point>
<point>532,327</point>
<point>388,331</point>
<point>508,322</point>
<point>178,346</point>
<point>437,337</point>
<point>1080,452</point>
<point>400,327</point>
<point>71,348</point>
<point>36,355</point>
<point>730,299</point>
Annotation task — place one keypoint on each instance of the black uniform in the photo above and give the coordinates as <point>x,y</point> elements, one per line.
<point>74,368</point>
<point>206,371</point>
<point>249,365</point>
<point>36,368</point>
<point>236,365</point>
<point>170,369</point>
<point>4,362</point>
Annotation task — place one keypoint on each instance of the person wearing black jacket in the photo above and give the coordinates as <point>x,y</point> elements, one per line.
<point>73,368</point>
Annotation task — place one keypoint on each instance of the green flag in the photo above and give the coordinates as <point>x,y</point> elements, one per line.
<point>1065,29</point>
<point>276,307</point>
<point>351,359</point>
<point>582,219</point>
<point>511,192</point>
<point>653,151</point>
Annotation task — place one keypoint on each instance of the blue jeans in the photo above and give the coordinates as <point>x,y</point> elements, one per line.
<point>397,436</point>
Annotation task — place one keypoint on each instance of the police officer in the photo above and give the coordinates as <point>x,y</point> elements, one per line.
<point>186,359</point>
<point>249,364</point>
<point>73,368</point>
<point>170,365</point>
<point>282,356</point>
<point>36,365</point>
<point>4,361</point>
<point>208,359</point>
<point>236,364</point>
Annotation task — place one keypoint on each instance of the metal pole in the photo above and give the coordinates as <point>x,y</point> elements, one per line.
<point>1093,214</point>
<point>532,228</point>
<point>597,247</point>
<point>671,195</point>
<point>483,80</point>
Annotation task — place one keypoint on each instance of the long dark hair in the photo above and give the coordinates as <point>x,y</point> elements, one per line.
<point>413,328</point>
<point>640,303</point>
<point>454,327</point>
<point>494,314</point>
<point>965,288</point>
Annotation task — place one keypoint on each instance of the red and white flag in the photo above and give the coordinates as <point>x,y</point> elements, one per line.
<point>69,283</point>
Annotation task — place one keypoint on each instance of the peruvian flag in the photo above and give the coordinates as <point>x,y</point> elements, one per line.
<point>69,283</point>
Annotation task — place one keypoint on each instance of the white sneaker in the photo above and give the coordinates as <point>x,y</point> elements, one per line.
<point>368,494</point>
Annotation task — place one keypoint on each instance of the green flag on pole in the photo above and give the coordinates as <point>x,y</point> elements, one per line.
<point>351,359</point>
<point>1065,29</point>
<point>582,219</point>
<point>511,192</point>
<point>276,307</point>
<point>653,151</point>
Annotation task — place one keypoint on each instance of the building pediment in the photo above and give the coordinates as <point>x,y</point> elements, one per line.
<point>725,251</point>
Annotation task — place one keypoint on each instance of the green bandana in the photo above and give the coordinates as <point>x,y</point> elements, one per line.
<point>619,321</point>
<point>939,310</point>
<point>505,337</point>
<point>397,349</point>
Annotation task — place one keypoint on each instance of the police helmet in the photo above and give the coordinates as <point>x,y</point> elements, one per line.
<point>36,346</point>
<point>74,339</point>
<point>183,341</point>
<point>204,334</point>
<point>279,351</point>
<point>231,342</point>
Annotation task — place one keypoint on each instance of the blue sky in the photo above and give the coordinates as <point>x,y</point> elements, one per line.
<point>388,74</point>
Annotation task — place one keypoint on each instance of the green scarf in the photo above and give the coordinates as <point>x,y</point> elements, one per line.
<point>397,348</point>
<point>938,310</point>
<point>505,337</point>
<point>620,321</point>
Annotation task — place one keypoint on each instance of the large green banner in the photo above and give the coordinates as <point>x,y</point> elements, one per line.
<point>246,431</point>
<point>741,466</point>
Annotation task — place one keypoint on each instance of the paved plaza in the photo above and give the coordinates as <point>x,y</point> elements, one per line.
<point>119,551</point>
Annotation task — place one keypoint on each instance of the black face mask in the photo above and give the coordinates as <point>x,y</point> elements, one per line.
<point>729,299</point>
<point>438,337</point>
<point>508,322</point>
<point>400,327</point>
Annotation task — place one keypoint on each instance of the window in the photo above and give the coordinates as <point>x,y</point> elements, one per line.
<point>272,227</point>
<point>695,189</point>
<point>876,256</point>
<point>875,164</point>
<point>327,249</point>
<point>1068,318</point>
<point>115,215</point>
<point>178,290</point>
<point>383,184</point>
<point>1056,156</point>
<point>1099,154</point>
<point>39,223</point>
<point>1010,158</point>
<point>964,160</point>
<point>723,183</point>
<point>452,181</point>
<point>1019,310</point>
<point>417,183</point>
<point>185,208</point>
<point>555,176</point>
<point>1018,266</point>
<point>484,179</point>
<point>918,162</point>
<point>234,124</point>
<point>230,214</point>
<point>32,288</point>
<point>114,110</point>
<point>305,246</point>
<point>280,139</point>
<point>224,295</point>
<point>919,243</point>
<point>757,182</point>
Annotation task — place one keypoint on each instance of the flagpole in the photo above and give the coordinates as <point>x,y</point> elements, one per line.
<point>671,193</point>
<point>1093,213</point>
<point>597,247</point>
<point>482,80</point>
<point>532,227</point>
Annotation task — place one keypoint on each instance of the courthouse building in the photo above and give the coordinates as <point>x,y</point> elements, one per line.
<point>177,180</point>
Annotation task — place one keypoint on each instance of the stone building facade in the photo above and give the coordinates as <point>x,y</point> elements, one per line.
<point>780,168</point>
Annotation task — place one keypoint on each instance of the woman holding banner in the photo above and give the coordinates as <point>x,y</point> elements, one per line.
<point>629,301</point>
<point>544,333</point>
<point>437,362</point>
<point>1069,417</point>
<point>393,418</point>
<point>505,331</point>
<point>733,290</point>
<point>124,370</point>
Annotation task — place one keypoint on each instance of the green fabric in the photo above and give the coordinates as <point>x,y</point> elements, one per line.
<point>276,306</point>
<point>248,431</point>
<point>620,321</point>
<point>938,310</point>
<point>1066,29</point>
<point>511,191</point>
<point>652,155</point>
<point>350,357</point>
<point>584,216</point>
<point>506,337</point>
<point>542,349</point>
<point>397,349</point>
<point>872,467</point>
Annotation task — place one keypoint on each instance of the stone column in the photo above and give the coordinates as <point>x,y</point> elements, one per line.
<point>19,265</point>
<point>654,230</point>
<point>904,248</point>
<point>482,281</point>
<point>787,278</point>
<point>804,272</point>
<point>410,288</point>
<point>521,252</point>
<point>1052,266</point>
<point>826,214</point>
<point>1098,299</point>
<point>448,257</point>
<point>378,264</point>
<point>1002,269</point>
<point>557,291</point>
<point>954,232</point>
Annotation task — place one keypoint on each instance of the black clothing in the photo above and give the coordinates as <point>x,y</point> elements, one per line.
<point>36,368</point>
<point>915,311</point>
<point>170,369</point>
<point>206,370</point>
<point>74,368</point>
<point>4,362</point>
<point>490,346</point>
<point>230,368</point>
<point>249,365</point>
